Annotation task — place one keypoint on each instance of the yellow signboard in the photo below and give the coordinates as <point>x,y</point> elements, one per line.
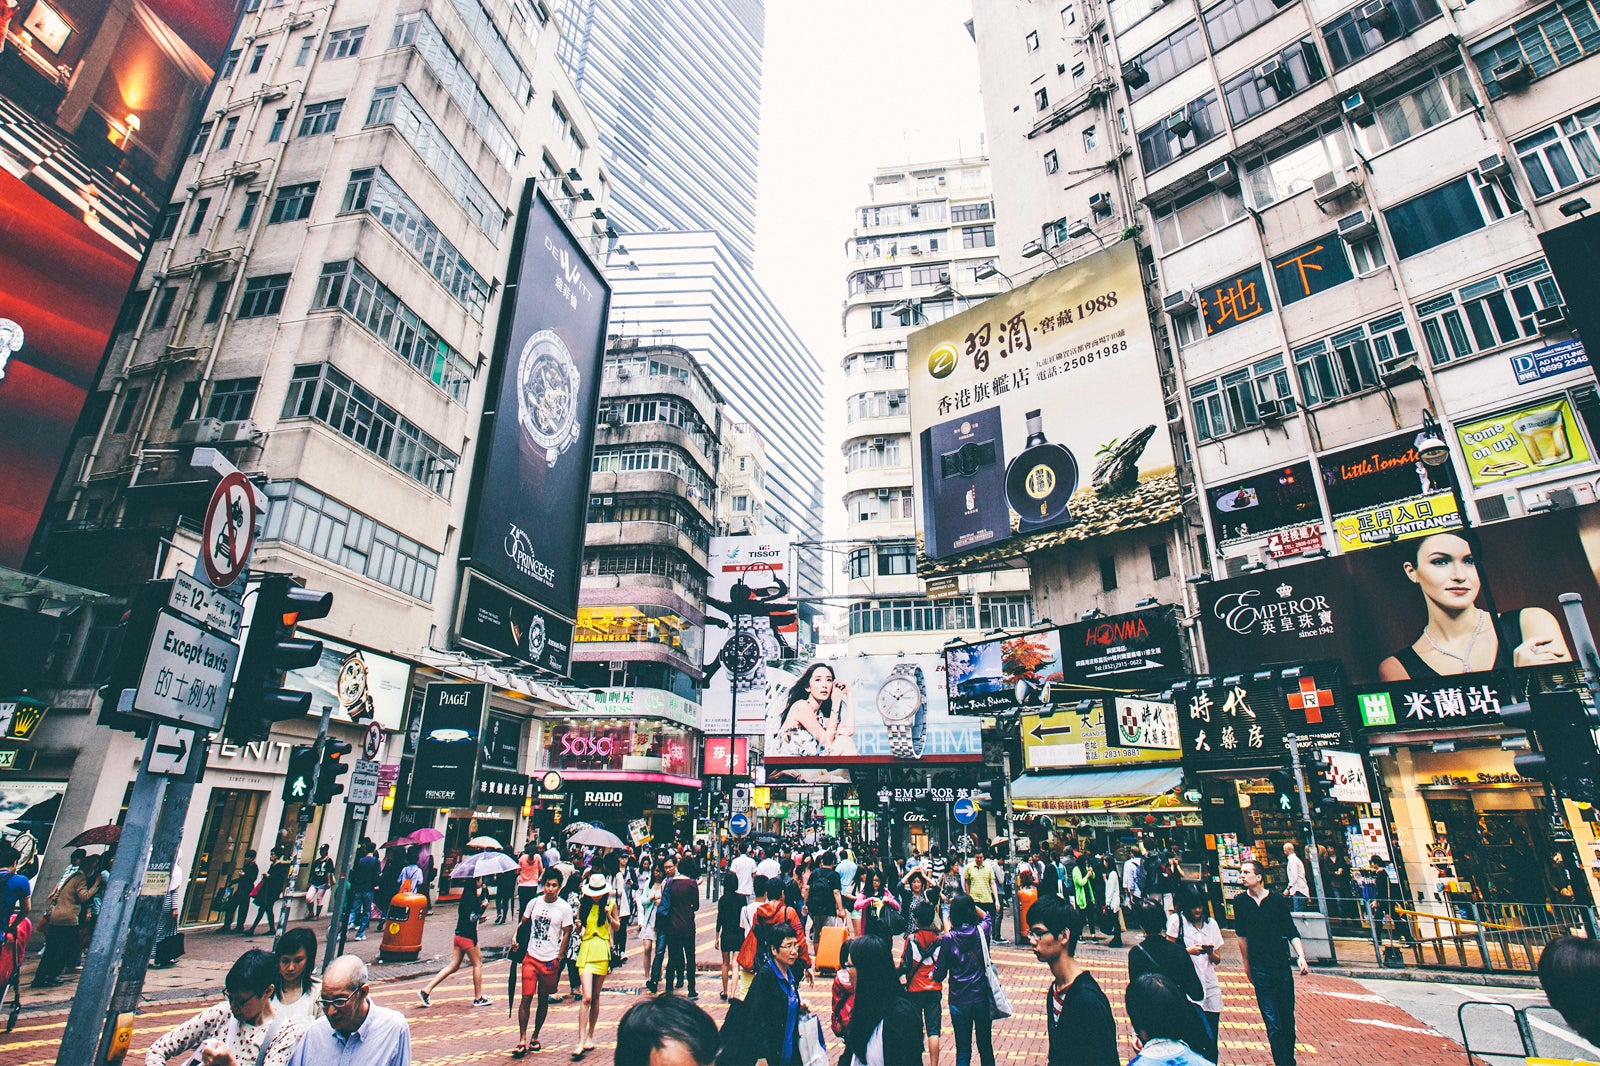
<point>761,796</point>
<point>1418,516</point>
<point>1068,738</point>
<point>1532,439</point>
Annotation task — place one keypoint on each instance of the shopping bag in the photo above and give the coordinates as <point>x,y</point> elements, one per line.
<point>813,1045</point>
<point>1000,1003</point>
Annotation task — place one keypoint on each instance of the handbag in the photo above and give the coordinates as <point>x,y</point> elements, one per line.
<point>813,1045</point>
<point>999,1002</point>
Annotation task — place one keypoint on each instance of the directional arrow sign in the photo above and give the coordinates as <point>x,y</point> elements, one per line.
<point>965,811</point>
<point>173,746</point>
<point>739,824</point>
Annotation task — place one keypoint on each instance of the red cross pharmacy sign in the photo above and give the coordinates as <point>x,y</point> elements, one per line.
<point>1311,700</point>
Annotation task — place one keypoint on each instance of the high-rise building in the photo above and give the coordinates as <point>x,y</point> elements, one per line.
<point>675,87</point>
<point>922,249</point>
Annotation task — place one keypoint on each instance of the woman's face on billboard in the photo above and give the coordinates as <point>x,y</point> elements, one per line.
<point>821,686</point>
<point>1446,570</point>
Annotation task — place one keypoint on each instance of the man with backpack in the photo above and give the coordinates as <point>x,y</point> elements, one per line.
<point>916,963</point>
<point>762,914</point>
<point>825,896</point>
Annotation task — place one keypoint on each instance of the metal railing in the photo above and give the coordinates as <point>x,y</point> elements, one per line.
<point>1487,937</point>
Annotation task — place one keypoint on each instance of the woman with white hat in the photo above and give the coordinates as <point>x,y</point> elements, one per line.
<point>597,918</point>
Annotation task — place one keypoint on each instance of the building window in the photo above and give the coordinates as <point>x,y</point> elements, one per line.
<point>1161,144</point>
<point>1550,38</point>
<point>971,212</point>
<point>378,194</point>
<point>307,43</point>
<point>132,311</point>
<point>879,404</point>
<point>263,296</point>
<point>1232,19</point>
<point>876,280</point>
<point>319,391</point>
<point>1032,41</point>
<point>248,211</point>
<point>1487,314</point>
<point>741,504</point>
<point>395,104</point>
<point>1416,107</point>
<point>202,134</point>
<point>1041,98</point>
<point>486,35</point>
<point>1554,157</point>
<point>1350,36</point>
<point>1166,59</point>
<point>872,454</point>
<point>420,32</point>
<point>1051,163</point>
<point>1291,167</point>
<point>1313,268</point>
<point>230,63</point>
<point>977,236</point>
<point>167,224</point>
<point>300,515</point>
<point>1353,360</point>
<point>349,286</point>
<point>1295,68</point>
<point>280,118</point>
<point>219,300</point>
<point>1232,402</point>
<point>259,54</point>
<point>1100,206</point>
<point>342,44</point>
<point>897,560</point>
<point>1108,572</point>
<point>201,206</point>
<point>320,117</point>
<point>125,413</point>
<point>868,361</point>
<point>860,563</point>
<point>293,202</point>
<point>1091,139</point>
<point>1069,15</point>
<point>910,616</point>
<point>1453,210</point>
<point>163,311</point>
<point>1160,564</point>
<point>1080,75</point>
<point>229,128</point>
<point>232,399</point>
<point>664,457</point>
<point>933,274</point>
<point>1005,612</point>
<point>188,400</point>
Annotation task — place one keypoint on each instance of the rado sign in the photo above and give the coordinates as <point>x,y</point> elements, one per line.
<point>601,799</point>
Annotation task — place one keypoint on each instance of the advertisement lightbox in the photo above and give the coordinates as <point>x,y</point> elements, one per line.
<point>1017,445</point>
<point>750,627</point>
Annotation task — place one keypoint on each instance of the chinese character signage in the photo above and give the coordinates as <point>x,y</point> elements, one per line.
<point>1235,301</point>
<point>866,709</point>
<point>716,760</point>
<point>1141,723</point>
<point>1529,440</point>
<point>1070,738</point>
<point>1240,721</point>
<point>1349,776</point>
<point>1281,499</point>
<point>500,788</point>
<point>1549,361</point>
<point>1310,269</point>
<point>1436,703</point>
<point>1017,448</point>
<point>1138,645</point>
<point>1383,491</point>
<point>1388,522</point>
<point>639,703</point>
<point>1296,540</point>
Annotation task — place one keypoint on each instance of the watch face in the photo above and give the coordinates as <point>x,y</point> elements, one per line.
<point>547,394</point>
<point>898,700</point>
<point>353,682</point>
<point>742,652</point>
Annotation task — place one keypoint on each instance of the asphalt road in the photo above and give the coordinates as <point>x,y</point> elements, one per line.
<point>1491,1031</point>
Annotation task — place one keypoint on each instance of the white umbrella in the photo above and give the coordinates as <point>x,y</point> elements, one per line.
<point>484,864</point>
<point>592,836</point>
<point>485,842</point>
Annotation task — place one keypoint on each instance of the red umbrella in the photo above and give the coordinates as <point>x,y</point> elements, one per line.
<point>425,836</point>
<point>97,835</point>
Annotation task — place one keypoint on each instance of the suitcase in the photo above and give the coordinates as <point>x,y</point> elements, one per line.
<point>829,946</point>
<point>169,949</point>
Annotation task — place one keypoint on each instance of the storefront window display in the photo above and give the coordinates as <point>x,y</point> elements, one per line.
<point>622,744</point>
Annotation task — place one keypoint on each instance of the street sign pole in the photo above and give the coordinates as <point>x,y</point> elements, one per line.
<point>355,824</point>
<point>1312,859</point>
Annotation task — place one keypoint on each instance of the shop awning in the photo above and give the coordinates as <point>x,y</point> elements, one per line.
<point>1143,788</point>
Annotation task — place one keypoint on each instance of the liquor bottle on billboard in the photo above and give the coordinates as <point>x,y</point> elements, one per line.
<point>963,472</point>
<point>1040,481</point>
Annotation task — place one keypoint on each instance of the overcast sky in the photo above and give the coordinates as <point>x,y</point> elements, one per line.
<point>849,86</point>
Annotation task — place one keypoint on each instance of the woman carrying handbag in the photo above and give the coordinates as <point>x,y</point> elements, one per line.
<point>964,968</point>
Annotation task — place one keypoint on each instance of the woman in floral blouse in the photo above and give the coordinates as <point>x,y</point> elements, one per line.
<point>242,1030</point>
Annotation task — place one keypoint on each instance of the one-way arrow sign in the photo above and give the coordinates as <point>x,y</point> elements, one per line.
<point>171,751</point>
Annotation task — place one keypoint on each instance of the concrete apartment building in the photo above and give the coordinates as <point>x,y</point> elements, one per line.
<point>1338,209</point>
<point>921,250</point>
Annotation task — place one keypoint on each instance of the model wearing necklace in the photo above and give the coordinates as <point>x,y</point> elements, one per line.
<point>1465,659</point>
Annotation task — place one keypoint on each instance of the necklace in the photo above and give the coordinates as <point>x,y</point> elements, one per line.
<point>1463,659</point>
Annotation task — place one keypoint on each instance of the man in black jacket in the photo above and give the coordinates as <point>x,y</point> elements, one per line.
<point>1266,936</point>
<point>243,883</point>
<point>1078,1017</point>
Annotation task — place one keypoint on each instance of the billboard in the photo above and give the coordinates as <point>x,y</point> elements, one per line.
<point>495,619</point>
<point>1009,674</point>
<point>1376,610</point>
<point>1382,491</point>
<point>866,709</point>
<point>1007,404</point>
<point>750,625</point>
<point>363,685</point>
<point>97,109</point>
<point>1072,738</point>
<point>532,479</point>
<point>1530,439</point>
<point>447,744</point>
<point>1243,721</point>
<point>1279,501</point>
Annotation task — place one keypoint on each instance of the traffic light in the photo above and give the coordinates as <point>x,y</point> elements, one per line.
<point>1319,780</point>
<point>297,783</point>
<point>1567,757</point>
<point>333,767</point>
<point>986,793</point>
<point>1284,800</point>
<point>259,698</point>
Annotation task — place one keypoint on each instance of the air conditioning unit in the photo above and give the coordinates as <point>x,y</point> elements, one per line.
<point>880,442</point>
<point>1400,369</point>
<point>1333,186</point>
<point>1498,507</point>
<point>1179,124</point>
<point>200,431</point>
<point>623,373</point>
<point>1134,76</point>
<point>1494,166</point>
<point>1179,303</point>
<point>884,494</point>
<point>1512,74</point>
<point>895,403</point>
<point>1079,228</point>
<point>1100,200</point>
<point>1274,73</point>
<point>243,430</point>
<point>1356,108</point>
<point>1270,410</point>
<point>1357,226</point>
<point>1551,319</point>
<point>1380,15</point>
<point>242,171</point>
<point>1223,175</point>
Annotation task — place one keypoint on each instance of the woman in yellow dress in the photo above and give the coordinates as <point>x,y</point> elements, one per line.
<point>597,918</point>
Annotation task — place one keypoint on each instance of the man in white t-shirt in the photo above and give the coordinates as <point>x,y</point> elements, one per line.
<point>769,867</point>
<point>546,925</point>
<point>744,868</point>
<point>1298,891</point>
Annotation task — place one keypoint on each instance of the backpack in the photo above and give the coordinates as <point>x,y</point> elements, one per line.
<point>820,899</point>
<point>791,893</point>
<point>912,959</point>
<point>1150,877</point>
<point>752,939</point>
<point>844,1002</point>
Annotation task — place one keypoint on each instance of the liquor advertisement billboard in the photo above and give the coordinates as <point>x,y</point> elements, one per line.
<point>750,626</point>
<point>1530,439</point>
<point>98,109</point>
<point>1017,448</point>
<point>1410,610</point>
<point>447,744</point>
<point>531,485</point>
<point>866,709</point>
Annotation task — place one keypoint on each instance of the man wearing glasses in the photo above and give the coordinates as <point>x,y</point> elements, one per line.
<point>243,1030</point>
<point>353,1031</point>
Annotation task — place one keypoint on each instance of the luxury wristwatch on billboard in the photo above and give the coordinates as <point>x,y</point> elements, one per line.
<point>903,705</point>
<point>547,394</point>
<point>742,657</point>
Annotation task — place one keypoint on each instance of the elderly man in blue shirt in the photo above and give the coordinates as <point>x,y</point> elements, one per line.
<point>353,1030</point>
